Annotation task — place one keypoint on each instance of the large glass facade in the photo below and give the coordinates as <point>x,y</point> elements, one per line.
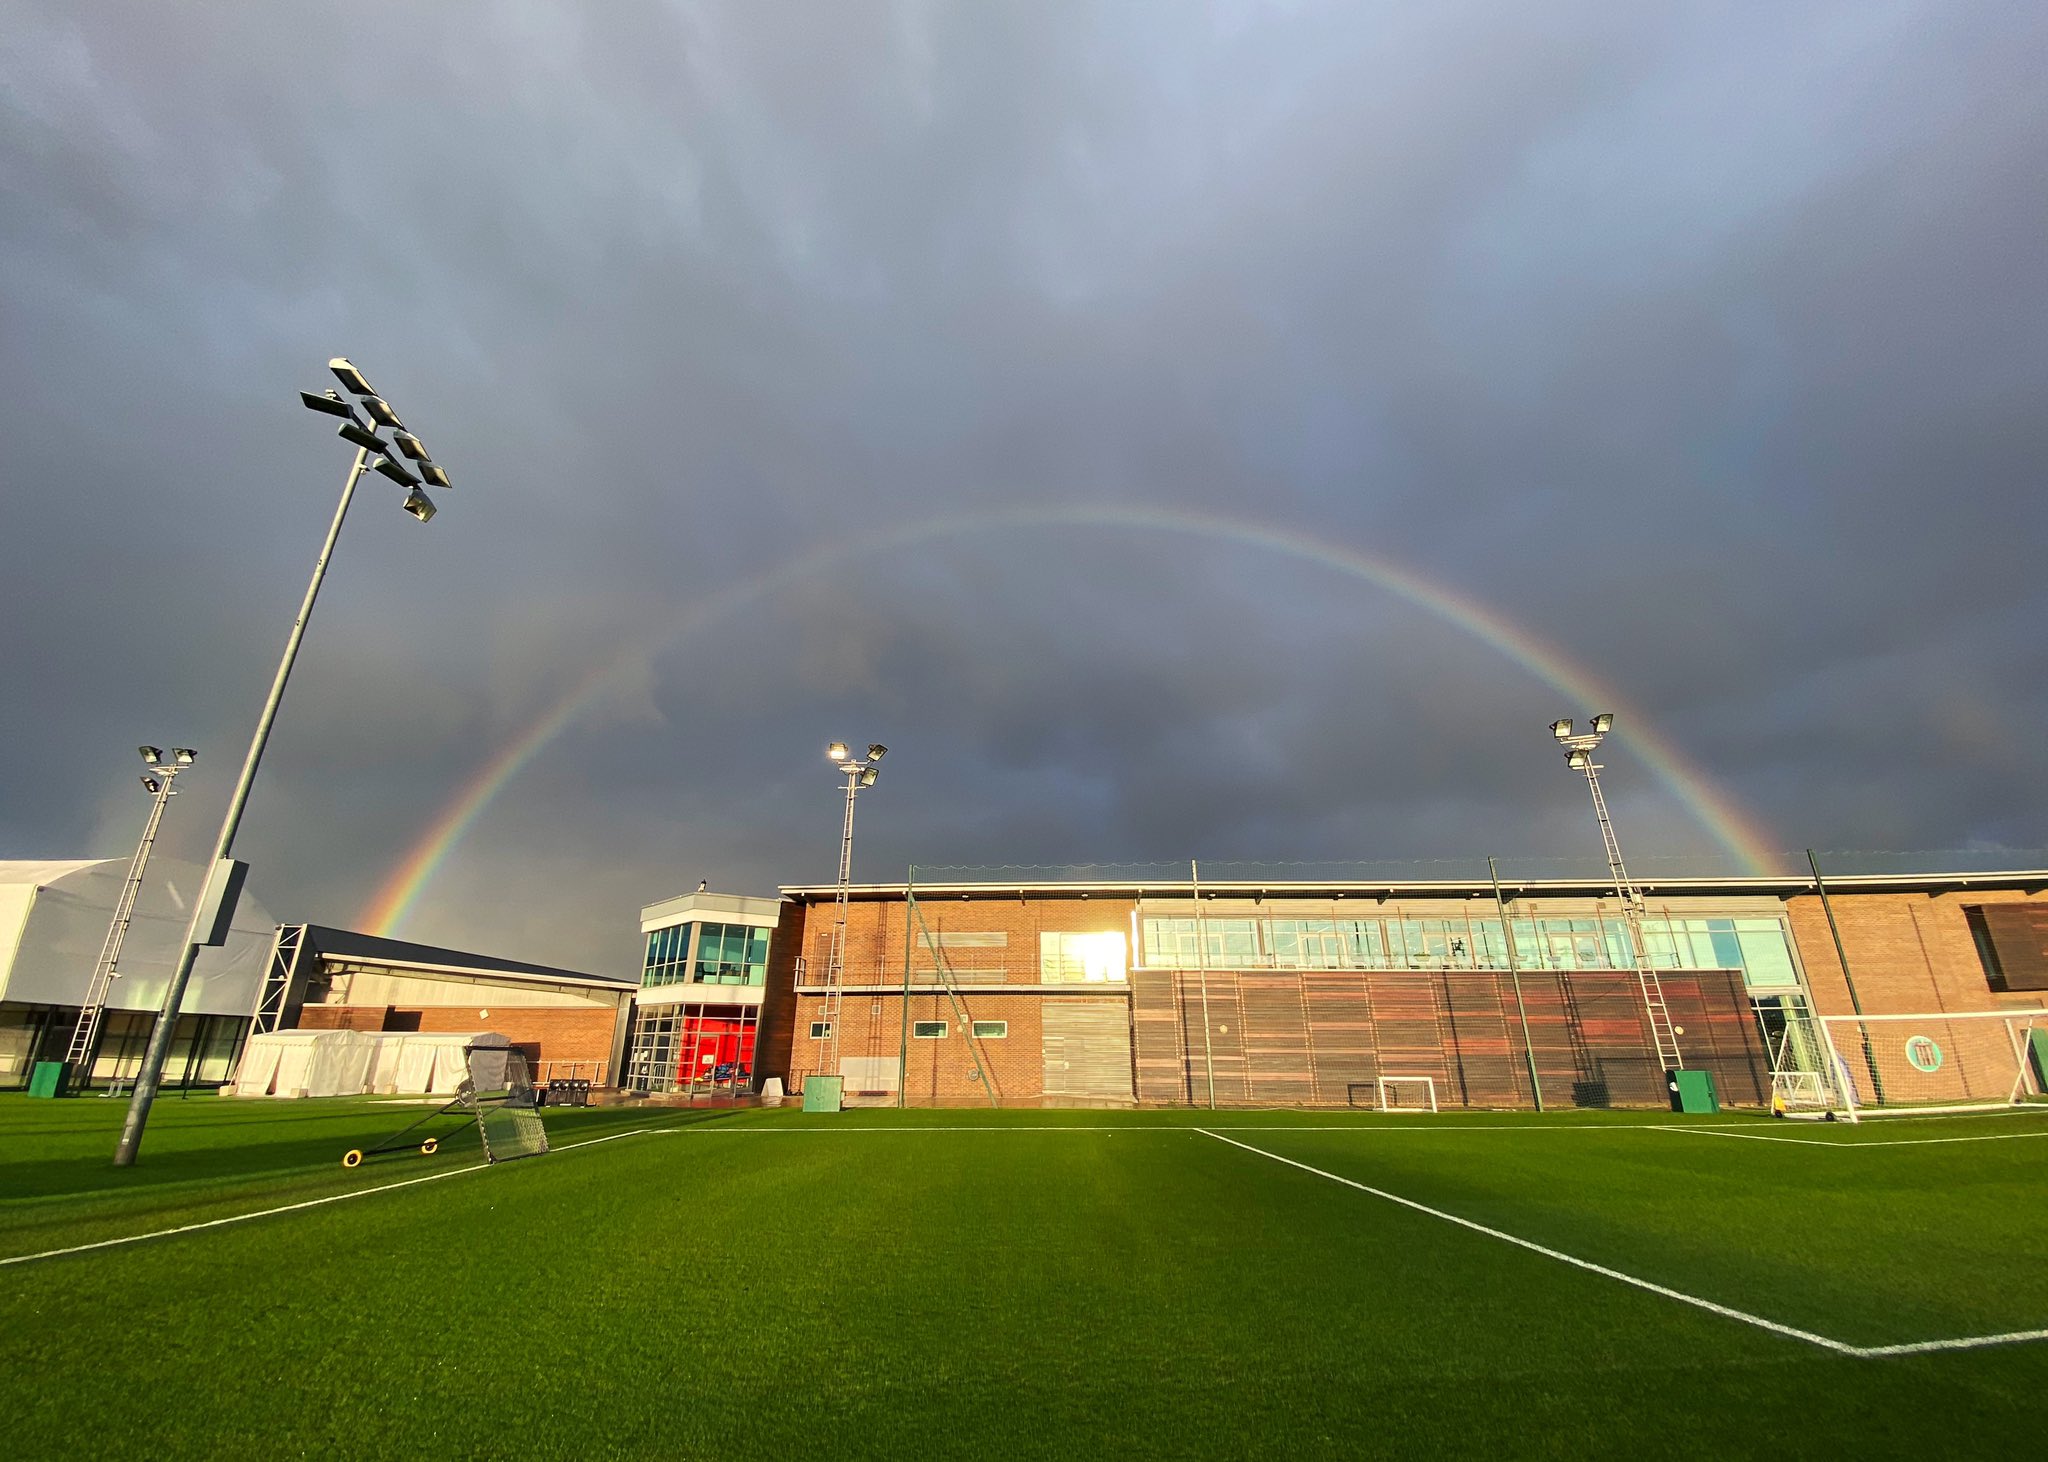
<point>676,1048</point>
<point>1757,945</point>
<point>706,954</point>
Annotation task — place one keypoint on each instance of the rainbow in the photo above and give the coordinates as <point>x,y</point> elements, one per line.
<point>1719,814</point>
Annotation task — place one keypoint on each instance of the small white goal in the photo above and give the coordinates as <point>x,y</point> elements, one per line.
<point>1391,1098</point>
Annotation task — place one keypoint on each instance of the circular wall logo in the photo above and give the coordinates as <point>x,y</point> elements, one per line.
<point>1923,1053</point>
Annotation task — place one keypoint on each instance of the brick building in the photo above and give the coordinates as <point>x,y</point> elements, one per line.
<point>567,1023</point>
<point>1308,994</point>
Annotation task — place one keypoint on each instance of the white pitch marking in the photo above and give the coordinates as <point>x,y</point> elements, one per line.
<point>1839,1347</point>
<point>1653,1287</point>
<point>188,1228</point>
<point>1869,1142</point>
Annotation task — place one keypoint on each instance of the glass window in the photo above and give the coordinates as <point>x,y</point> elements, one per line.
<point>1074,959</point>
<point>928,1030</point>
<point>991,1030</point>
<point>1766,961</point>
<point>821,1030</point>
<point>1170,943</point>
<point>1363,948</point>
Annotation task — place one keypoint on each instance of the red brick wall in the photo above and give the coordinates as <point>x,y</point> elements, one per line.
<point>344,1017</point>
<point>940,1070</point>
<point>1909,953</point>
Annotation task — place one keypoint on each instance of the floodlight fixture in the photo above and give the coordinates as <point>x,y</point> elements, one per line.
<point>867,778</point>
<point>151,754</point>
<point>1561,729</point>
<point>329,402</point>
<point>184,755</point>
<point>433,473</point>
<point>836,751</point>
<point>350,377</point>
<point>1578,760</point>
<point>359,436</point>
<point>1603,723</point>
<point>408,444</point>
<point>369,446</point>
<point>397,471</point>
<point>152,783</point>
<point>876,751</point>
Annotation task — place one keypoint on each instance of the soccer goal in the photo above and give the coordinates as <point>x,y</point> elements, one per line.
<point>496,1095</point>
<point>1407,1093</point>
<point>1888,1065</point>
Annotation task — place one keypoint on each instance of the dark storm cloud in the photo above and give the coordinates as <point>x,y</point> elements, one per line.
<point>1707,342</point>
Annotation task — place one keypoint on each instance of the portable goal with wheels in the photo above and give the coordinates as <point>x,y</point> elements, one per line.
<point>496,1095</point>
<point>1407,1093</point>
<point>1949,1061</point>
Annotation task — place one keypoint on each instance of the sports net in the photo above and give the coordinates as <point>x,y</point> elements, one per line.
<point>507,1117</point>
<point>1406,1093</point>
<point>1872,1065</point>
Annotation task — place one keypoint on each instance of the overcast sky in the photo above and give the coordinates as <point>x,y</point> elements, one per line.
<point>1708,344</point>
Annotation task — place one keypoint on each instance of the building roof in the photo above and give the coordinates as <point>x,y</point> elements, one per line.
<point>1778,885</point>
<point>348,944</point>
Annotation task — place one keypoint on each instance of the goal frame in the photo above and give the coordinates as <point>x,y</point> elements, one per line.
<point>2018,1025</point>
<point>1380,1085</point>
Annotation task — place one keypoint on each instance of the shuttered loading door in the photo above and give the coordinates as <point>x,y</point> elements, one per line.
<point>1087,1050</point>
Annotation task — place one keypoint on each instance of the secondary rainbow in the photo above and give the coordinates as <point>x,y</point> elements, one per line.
<point>1729,824</point>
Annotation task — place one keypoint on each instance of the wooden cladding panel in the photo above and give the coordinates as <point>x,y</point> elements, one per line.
<point>1325,1037</point>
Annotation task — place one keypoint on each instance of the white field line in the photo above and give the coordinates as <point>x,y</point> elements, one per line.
<point>1871,1142</point>
<point>188,1228</point>
<point>1791,1332</point>
<point>709,1130</point>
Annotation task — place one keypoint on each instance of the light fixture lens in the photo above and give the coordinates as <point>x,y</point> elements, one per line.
<point>184,755</point>
<point>876,751</point>
<point>420,505</point>
<point>867,778</point>
<point>433,473</point>
<point>1561,729</point>
<point>836,751</point>
<point>1604,722</point>
<point>151,754</point>
<point>152,783</point>
<point>1578,759</point>
<point>349,376</point>
<point>328,401</point>
<point>398,472</point>
<point>410,445</point>
<point>381,412</point>
<point>362,437</point>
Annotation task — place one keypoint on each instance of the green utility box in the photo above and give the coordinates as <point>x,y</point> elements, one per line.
<point>46,1079</point>
<point>822,1093</point>
<point>1693,1091</point>
<point>2037,1051</point>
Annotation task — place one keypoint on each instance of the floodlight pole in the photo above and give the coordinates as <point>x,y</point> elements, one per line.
<point>1579,755</point>
<point>151,1076</point>
<point>107,970</point>
<point>859,772</point>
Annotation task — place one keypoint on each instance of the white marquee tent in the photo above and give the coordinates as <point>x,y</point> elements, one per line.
<point>302,1063</point>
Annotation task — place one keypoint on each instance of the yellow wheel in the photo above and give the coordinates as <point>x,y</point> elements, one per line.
<point>430,1144</point>
<point>353,1158</point>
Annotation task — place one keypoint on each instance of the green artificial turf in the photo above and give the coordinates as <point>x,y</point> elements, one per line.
<point>1015,1284</point>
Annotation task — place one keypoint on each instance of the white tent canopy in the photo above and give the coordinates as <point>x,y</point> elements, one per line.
<point>301,1063</point>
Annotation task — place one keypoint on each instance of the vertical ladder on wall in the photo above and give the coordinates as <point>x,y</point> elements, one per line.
<point>107,970</point>
<point>1662,1032</point>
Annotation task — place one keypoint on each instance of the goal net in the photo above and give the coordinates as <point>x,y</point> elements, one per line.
<point>1876,1065</point>
<point>507,1117</point>
<point>1407,1093</point>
